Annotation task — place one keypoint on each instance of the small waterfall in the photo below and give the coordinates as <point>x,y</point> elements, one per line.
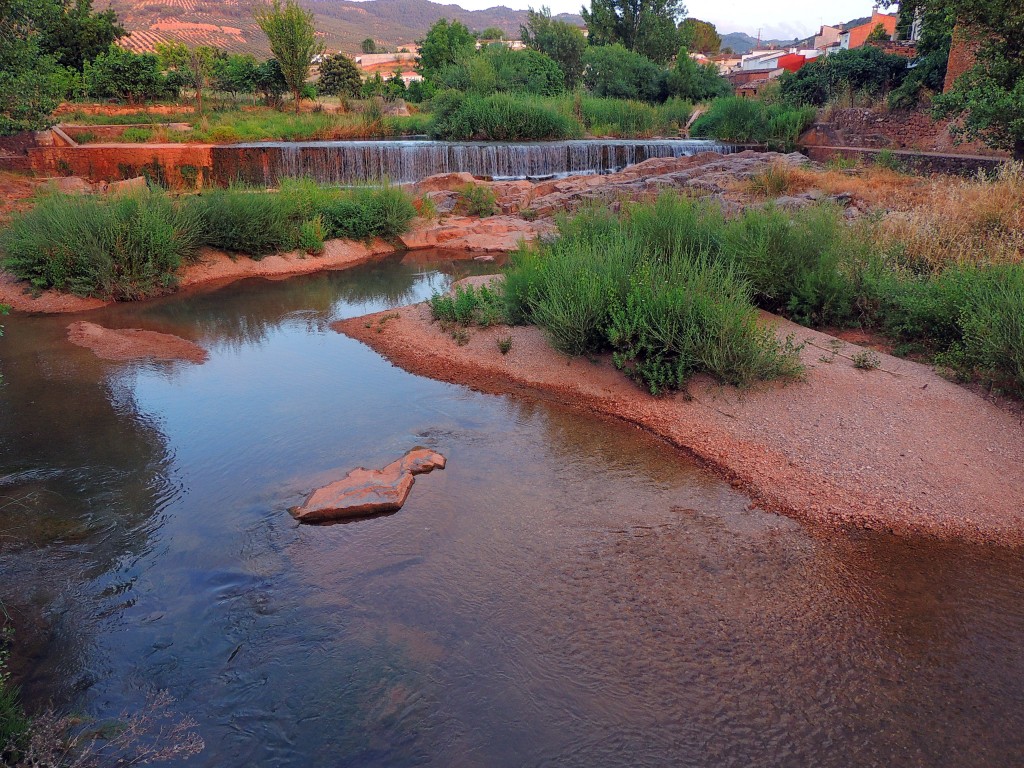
<point>342,162</point>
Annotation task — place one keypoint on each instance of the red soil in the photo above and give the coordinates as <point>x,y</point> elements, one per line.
<point>898,448</point>
<point>134,344</point>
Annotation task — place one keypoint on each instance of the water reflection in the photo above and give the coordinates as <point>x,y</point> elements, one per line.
<point>568,591</point>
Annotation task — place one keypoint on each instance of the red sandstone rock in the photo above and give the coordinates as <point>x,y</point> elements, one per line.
<point>444,182</point>
<point>368,491</point>
<point>127,185</point>
<point>133,344</point>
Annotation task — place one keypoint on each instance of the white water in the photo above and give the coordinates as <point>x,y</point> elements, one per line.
<point>409,161</point>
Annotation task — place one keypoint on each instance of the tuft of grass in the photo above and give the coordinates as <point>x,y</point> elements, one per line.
<point>772,181</point>
<point>746,121</point>
<point>467,305</point>
<point>123,247</point>
<point>505,345</point>
<point>476,200</point>
<point>136,135</point>
<point>499,117</point>
<point>866,360</point>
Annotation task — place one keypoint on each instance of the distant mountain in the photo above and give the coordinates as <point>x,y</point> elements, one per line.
<point>343,24</point>
<point>740,42</point>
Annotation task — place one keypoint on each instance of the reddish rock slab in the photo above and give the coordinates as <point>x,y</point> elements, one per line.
<point>365,492</point>
<point>133,344</point>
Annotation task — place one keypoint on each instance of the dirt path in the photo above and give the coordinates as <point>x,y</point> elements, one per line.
<point>897,448</point>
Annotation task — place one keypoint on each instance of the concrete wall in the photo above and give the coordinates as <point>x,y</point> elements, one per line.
<point>178,166</point>
<point>921,162</point>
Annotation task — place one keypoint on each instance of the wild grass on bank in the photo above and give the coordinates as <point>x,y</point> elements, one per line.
<point>460,116</point>
<point>132,246</point>
<point>745,121</point>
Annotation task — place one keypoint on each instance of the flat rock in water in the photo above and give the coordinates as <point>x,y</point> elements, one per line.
<point>365,492</point>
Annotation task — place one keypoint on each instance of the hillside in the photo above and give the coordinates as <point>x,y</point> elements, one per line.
<point>228,24</point>
<point>740,42</point>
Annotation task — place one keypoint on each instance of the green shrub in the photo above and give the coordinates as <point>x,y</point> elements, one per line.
<point>886,158</point>
<point>745,121</point>
<point>124,247</point>
<point>137,135</point>
<point>619,73</point>
<point>992,323</point>
<point>475,200</point>
<point>650,286</point>
<point>311,235</point>
<point>467,304</point>
<point>500,117</point>
<point>248,221</point>
<point>866,70</point>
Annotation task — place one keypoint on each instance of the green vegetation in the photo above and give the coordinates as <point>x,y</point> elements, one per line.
<point>133,246</point>
<point>445,45</point>
<point>339,76</point>
<point>617,72</point>
<point>293,41</point>
<point>499,117</point>
<point>647,287</point>
<point>866,71</point>
<point>700,36</point>
<point>647,27</point>
<point>126,247</point>
<point>696,82</point>
<point>479,201</point>
<point>468,305</point>
<point>752,121</point>
<point>13,723</point>
<point>563,42</point>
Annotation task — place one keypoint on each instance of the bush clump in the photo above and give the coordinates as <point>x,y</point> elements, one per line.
<point>499,117</point>
<point>746,121</point>
<point>132,246</point>
<point>125,247</point>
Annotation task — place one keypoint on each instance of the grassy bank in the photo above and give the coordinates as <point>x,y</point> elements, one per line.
<point>133,246</point>
<point>667,287</point>
<point>746,121</point>
<point>260,124</point>
<point>521,117</point>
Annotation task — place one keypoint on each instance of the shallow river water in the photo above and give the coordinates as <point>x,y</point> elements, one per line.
<point>568,591</point>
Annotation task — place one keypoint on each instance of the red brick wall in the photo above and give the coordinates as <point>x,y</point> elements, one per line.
<point>962,55</point>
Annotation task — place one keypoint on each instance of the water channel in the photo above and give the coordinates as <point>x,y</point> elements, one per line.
<point>568,591</point>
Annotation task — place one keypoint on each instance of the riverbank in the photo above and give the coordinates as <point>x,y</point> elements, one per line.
<point>898,448</point>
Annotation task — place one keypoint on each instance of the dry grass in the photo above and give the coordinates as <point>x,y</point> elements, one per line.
<point>934,220</point>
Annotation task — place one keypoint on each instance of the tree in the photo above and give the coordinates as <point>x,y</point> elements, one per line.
<point>492,33</point>
<point>696,82</point>
<point>563,42</point>
<point>369,45</point>
<point>861,70</point>
<point>126,76</point>
<point>73,34</point>
<point>195,65</point>
<point>293,41</point>
<point>615,72</point>
<point>988,99</point>
<point>445,44</point>
<point>29,83</point>
<point>877,35</point>
<point>270,83</point>
<point>235,73</point>
<point>700,36</point>
<point>525,71</point>
<point>339,76</point>
<point>647,27</point>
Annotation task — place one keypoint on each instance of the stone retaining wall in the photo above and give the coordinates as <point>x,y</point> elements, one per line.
<point>921,162</point>
<point>178,166</point>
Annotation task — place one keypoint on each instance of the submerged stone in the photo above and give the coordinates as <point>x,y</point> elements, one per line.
<point>365,492</point>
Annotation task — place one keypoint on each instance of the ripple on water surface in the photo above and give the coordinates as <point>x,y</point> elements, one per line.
<point>568,591</point>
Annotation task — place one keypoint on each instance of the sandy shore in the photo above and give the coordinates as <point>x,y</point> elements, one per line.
<point>214,268</point>
<point>898,448</point>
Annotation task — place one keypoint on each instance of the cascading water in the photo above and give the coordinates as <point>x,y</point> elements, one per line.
<point>337,162</point>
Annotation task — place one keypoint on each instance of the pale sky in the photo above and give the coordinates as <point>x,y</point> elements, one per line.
<point>783,19</point>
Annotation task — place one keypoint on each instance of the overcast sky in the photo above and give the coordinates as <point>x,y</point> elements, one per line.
<point>784,20</point>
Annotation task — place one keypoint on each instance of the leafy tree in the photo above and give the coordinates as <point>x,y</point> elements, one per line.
<point>615,72</point>
<point>929,71</point>
<point>132,77</point>
<point>861,70</point>
<point>372,86</point>
<point>525,71</point>
<point>369,45</point>
<point>394,87</point>
<point>989,98</point>
<point>647,27</point>
<point>877,35</point>
<point>270,83</point>
<point>492,33</point>
<point>696,82</point>
<point>293,41</point>
<point>473,75</point>
<point>73,34</point>
<point>235,73</point>
<point>29,85</point>
<point>446,43</point>
<point>195,64</point>
<point>339,76</point>
<point>563,42</point>
<point>700,36</point>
